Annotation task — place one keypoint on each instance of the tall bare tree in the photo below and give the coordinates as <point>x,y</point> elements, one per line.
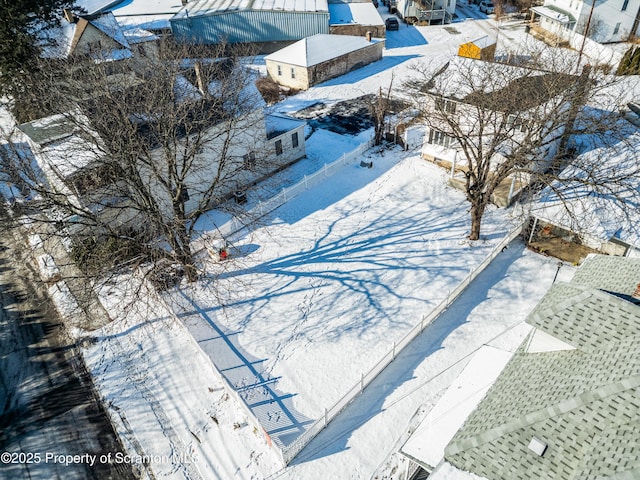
<point>140,150</point>
<point>502,122</point>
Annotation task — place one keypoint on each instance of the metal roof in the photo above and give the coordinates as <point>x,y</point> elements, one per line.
<point>211,7</point>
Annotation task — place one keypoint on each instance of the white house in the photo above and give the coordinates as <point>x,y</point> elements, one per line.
<point>71,156</point>
<point>425,12</point>
<point>611,20</point>
<point>474,93</point>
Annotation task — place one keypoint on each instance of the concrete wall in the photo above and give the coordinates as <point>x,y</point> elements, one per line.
<point>341,65</point>
<point>377,31</point>
<point>301,78</point>
<point>292,76</point>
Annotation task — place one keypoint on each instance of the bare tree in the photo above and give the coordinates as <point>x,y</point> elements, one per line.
<point>138,152</point>
<point>380,107</point>
<point>499,124</point>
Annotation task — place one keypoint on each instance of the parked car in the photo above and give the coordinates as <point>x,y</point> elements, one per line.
<point>487,7</point>
<point>392,24</point>
<point>375,3</point>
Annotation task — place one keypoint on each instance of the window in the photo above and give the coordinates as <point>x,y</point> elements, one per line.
<point>278,147</point>
<point>294,140</point>
<point>293,72</point>
<point>518,124</point>
<point>444,105</point>
<point>184,194</point>
<point>279,71</point>
<point>249,160</point>
<point>437,137</point>
<point>617,28</point>
<point>625,4</point>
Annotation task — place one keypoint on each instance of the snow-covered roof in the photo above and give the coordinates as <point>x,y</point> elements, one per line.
<point>62,144</point>
<point>426,445</point>
<point>471,81</point>
<point>108,25</point>
<point>354,13</point>
<point>209,7</point>
<point>279,124</point>
<point>151,14</point>
<point>319,48</point>
<point>484,42</point>
<point>554,13</point>
<point>579,207</point>
<point>139,35</point>
<point>94,6</point>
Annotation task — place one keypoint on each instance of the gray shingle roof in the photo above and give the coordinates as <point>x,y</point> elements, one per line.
<point>583,403</point>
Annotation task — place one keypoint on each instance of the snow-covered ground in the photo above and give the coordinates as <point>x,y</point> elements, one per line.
<point>317,294</point>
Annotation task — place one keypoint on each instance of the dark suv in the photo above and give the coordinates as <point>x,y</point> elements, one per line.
<point>392,24</point>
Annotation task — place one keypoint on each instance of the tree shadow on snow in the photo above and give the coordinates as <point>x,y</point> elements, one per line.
<point>335,437</point>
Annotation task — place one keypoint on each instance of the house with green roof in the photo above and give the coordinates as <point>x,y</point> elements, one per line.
<point>567,404</point>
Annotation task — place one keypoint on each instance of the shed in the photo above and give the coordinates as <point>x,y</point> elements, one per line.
<point>483,48</point>
<point>249,21</point>
<point>321,57</point>
<point>356,19</point>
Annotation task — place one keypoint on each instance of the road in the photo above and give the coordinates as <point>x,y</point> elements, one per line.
<point>49,408</point>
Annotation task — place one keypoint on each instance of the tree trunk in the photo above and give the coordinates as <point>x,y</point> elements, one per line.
<point>477,211</point>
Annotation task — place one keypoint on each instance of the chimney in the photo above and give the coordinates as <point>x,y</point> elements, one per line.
<point>368,36</point>
<point>636,293</point>
<point>184,2</point>
<point>69,15</point>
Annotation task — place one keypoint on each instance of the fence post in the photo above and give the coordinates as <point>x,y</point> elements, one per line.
<point>393,351</point>
<point>325,170</point>
<point>361,382</point>
<point>325,417</point>
<point>284,194</point>
<point>344,158</point>
<point>306,184</point>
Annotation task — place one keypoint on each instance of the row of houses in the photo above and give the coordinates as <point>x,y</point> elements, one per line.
<point>208,21</point>
<point>71,154</point>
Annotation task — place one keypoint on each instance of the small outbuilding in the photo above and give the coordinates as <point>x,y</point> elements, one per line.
<point>355,19</point>
<point>483,48</point>
<point>321,57</point>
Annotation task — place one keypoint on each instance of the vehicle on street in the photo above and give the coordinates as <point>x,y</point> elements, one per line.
<point>392,24</point>
<point>487,7</point>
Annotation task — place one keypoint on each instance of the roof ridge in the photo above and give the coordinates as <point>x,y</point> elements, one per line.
<point>526,420</point>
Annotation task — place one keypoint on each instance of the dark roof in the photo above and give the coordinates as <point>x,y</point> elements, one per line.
<point>523,93</point>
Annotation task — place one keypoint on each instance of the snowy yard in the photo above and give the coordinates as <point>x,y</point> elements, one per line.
<point>333,278</point>
<point>317,293</point>
<point>314,295</point>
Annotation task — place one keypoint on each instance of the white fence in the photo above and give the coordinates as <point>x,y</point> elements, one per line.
<point>286,194</point>
<point>292,450</point>
<point>289,452</point>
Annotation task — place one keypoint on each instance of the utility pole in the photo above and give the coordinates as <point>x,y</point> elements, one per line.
<point>584,34</point>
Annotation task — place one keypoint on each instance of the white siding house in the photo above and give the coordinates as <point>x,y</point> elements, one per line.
<point>71,159</point>
<point>477,93</point>
<point>611,20</point>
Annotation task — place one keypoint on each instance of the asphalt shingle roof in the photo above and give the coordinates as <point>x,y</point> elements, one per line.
<point>584,404</point>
